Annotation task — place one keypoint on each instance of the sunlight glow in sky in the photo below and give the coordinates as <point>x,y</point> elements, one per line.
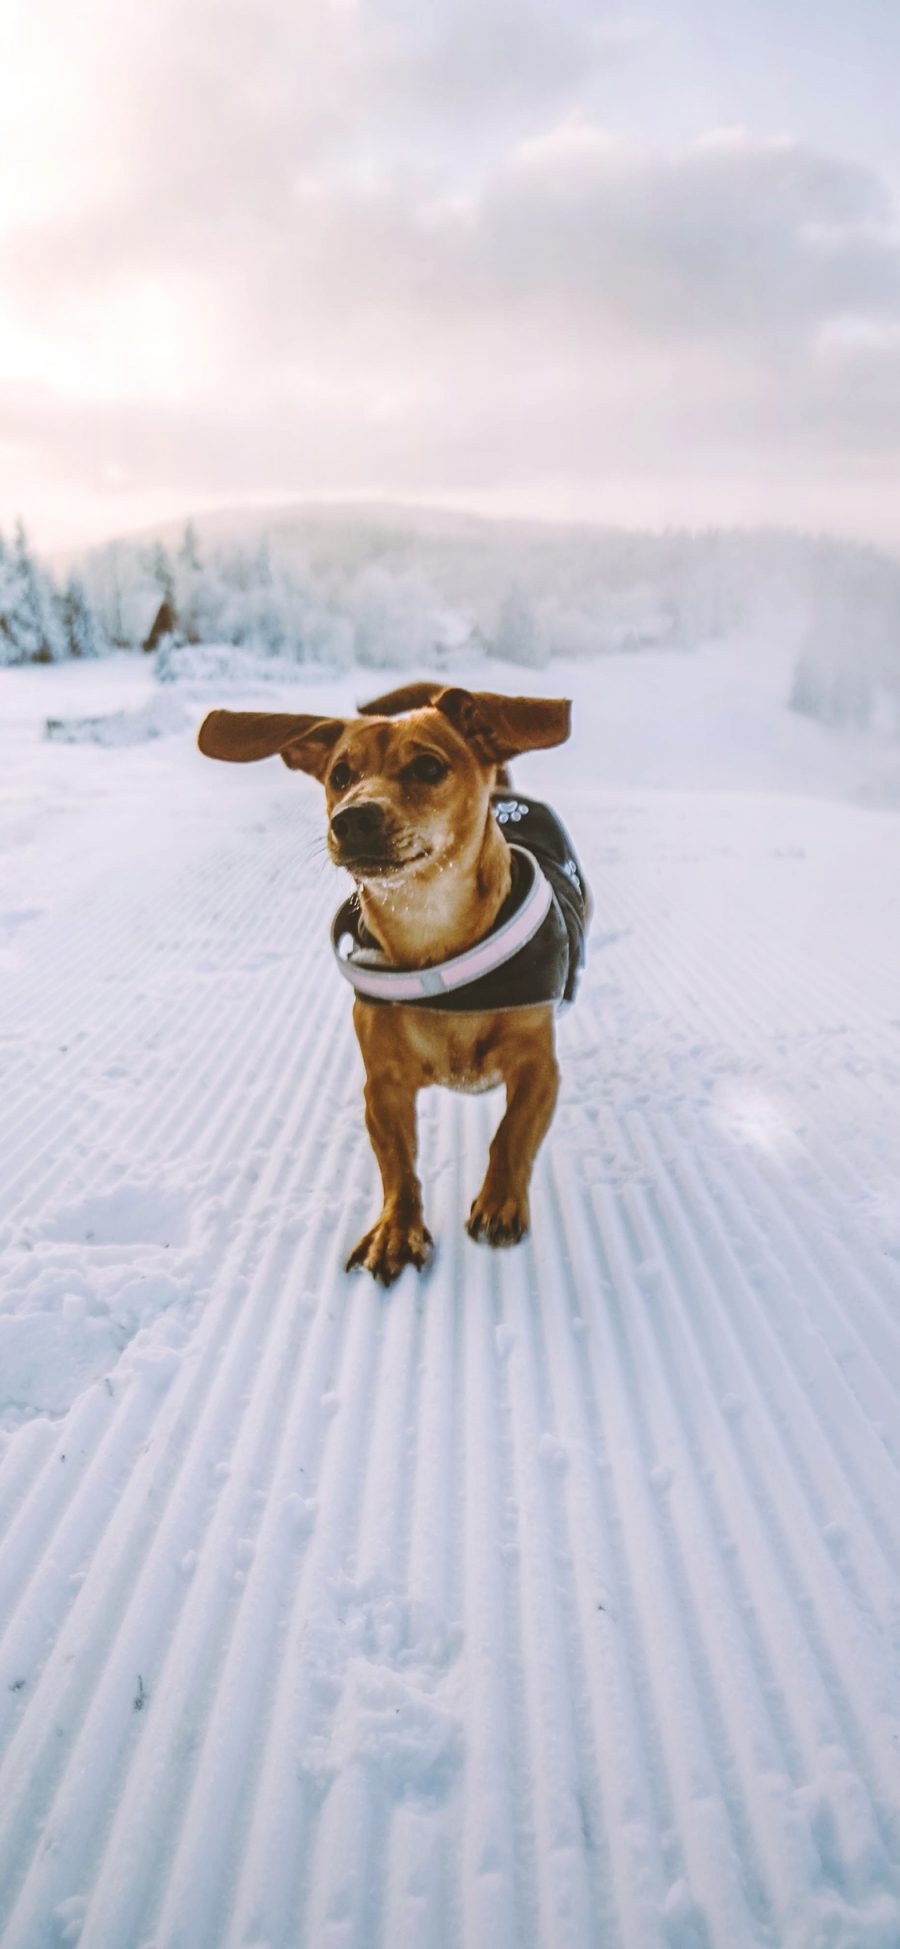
<point>582,260</point>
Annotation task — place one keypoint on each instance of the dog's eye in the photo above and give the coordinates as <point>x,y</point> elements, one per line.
<point>340,777</point>
<point>428,769</point>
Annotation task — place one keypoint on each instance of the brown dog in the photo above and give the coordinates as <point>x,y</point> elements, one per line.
<point>408,789</point>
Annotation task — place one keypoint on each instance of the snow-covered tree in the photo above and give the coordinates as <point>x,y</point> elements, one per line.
<point>84,635</point>
<point>158,569</point>
<point>190,606</point>
<point>31,626</point>
<point>848,670</point>
<point>189,552</point>
<point>420,593</point>
<point>517,637</point>
<point>8,600</point>
<point>808,689</point>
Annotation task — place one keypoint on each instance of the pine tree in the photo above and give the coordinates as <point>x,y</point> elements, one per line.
<point>516,636</point>
<point>189,552</point>
<point>189,586</point>
<point>8,597</point>
<point>157,566</point>
<point>807,694</point>
<point>32,622</point>
<point>262,565</point>
<point>83,632</point>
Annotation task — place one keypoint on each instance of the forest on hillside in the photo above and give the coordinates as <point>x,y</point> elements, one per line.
<point>337,591</point>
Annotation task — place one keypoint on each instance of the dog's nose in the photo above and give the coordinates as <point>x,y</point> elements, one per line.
<point>358,825</point>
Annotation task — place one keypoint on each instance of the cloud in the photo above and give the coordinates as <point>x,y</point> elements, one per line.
<point>391,247</point>
<point>731,234</point>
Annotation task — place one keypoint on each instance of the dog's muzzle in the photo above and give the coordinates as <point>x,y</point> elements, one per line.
<point>359,827</point>
<point>362,837</point>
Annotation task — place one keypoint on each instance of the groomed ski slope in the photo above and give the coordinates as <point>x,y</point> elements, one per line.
<point>548,1601</point>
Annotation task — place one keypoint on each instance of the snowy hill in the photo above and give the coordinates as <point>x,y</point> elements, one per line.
<point>396,586</point>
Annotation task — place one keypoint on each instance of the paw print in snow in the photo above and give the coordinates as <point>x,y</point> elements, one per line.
<point>510,809</point>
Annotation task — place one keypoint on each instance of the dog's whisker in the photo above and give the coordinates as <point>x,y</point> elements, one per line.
<point>317,850</point>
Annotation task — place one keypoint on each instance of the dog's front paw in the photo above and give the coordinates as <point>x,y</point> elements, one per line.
<point>392,1244</point>
<point>498,1220</point>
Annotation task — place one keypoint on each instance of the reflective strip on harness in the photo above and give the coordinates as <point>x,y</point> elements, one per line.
<point>415,984</point>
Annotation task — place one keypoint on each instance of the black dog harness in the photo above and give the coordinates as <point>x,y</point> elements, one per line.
<point>532,953</point>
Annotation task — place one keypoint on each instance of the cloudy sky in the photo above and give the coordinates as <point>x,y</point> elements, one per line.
<point>562,257</point>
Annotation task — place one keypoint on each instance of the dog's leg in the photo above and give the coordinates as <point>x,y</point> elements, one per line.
<point>500,1214</point>
<point>399,1237</point>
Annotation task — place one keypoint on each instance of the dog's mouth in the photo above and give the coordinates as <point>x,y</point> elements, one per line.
<point>376,866</point>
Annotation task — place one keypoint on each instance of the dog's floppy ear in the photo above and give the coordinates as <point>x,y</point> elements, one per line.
<point>501,727</point>
<point>241,737</point>
<point>312,750</point>
<point>410,697</point>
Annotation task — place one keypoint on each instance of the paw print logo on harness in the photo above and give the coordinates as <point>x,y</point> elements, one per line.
<point>509,811</point>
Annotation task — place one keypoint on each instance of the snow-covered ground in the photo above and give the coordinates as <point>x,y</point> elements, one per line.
<point>552,1599</point>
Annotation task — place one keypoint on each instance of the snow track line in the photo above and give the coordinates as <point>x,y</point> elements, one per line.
<point>32,1190</point>
<point>296,1165</point>
<point>834,1268</point>
<point>886,1324</point>
<point>378,1559</point>
<point>167,1567</point>
<point>632,1788</point>
<point>243,913</point>
<point>699,1505</point>
<point>92,1404</point>
<point>23,1460</point>
<point>779,1363</point>
<point>65,1137</point>
<point>99,954</point>
<point>573,1865</point>
<point>700,969</point>
<point>723,1673</point>
<point>210,1678</point>
<point>277,1880</point>
<point>529,1808</point>
<point>420,1897</point>
<point>499,1892</point>
<point>838,1171</point>
<point>846,1423</point>
<point>381,1564</point>
<point>724,1868</point>
<point>386,1492</point>
<point>815,1591</point>
<point>666,1709</point>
